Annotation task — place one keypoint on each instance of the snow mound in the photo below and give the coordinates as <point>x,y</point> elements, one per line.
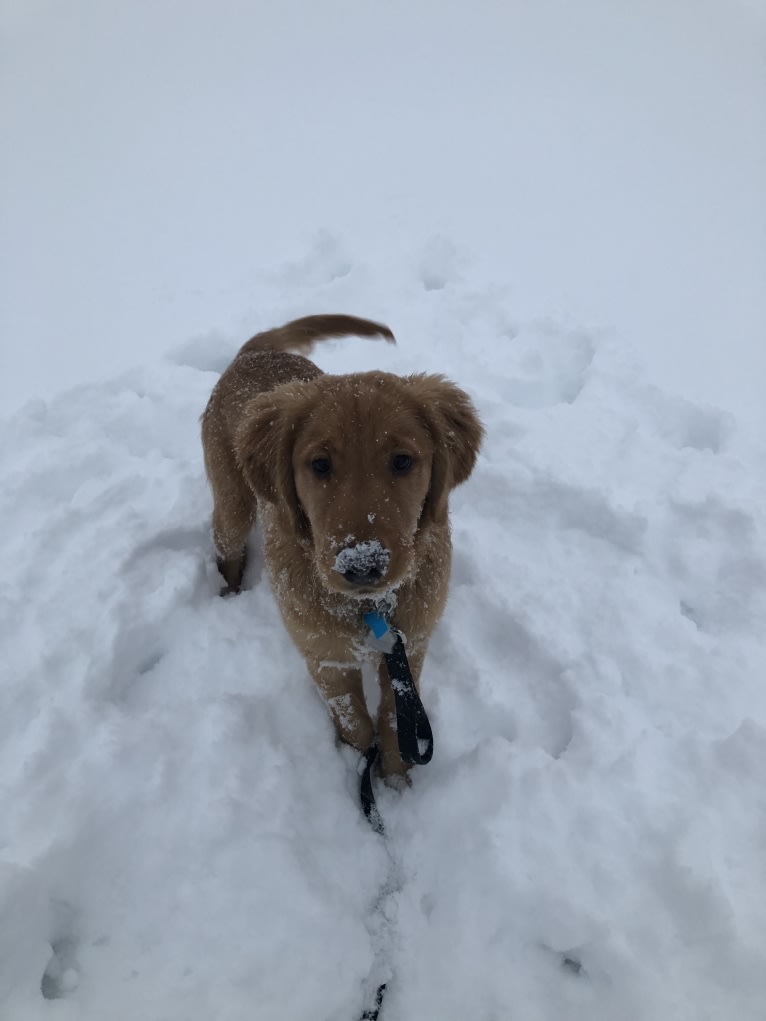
<point>181,835</point>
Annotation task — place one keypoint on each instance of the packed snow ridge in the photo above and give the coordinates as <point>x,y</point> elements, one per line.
<point>182,836</point>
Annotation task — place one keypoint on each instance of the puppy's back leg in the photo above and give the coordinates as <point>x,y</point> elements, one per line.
<point>234,508</point>
<point>230,534</point>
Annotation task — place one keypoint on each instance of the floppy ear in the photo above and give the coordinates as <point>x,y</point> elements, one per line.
<point>263,446</point>
<point>456,431</point>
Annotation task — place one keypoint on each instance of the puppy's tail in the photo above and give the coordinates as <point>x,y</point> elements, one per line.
<point>301,334</point>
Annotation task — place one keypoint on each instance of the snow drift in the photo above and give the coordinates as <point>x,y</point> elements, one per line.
<point>182,837</point>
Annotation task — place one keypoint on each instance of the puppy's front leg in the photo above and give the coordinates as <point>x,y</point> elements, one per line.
<point>341,688</point>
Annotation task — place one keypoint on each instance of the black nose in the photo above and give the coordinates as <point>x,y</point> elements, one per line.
<point>363,564</point>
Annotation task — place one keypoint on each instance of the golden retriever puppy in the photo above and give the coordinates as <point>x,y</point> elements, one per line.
<point>351,476</point>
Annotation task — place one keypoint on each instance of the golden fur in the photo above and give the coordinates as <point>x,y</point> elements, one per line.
<point>351,475</point>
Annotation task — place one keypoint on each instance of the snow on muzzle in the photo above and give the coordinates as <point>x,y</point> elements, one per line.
<point>363,564</point>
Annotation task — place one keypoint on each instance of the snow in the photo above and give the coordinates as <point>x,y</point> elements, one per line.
<point>180,836</point>
<point>362,556</point>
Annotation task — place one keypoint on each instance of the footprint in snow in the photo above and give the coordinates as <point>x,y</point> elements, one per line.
<point>550,366</point>
<point>439,264</point>
<point>689,426</point>
<point>325,261</point>
<point>714,554</point>
<point>530,697</point>
<point>210,352</point>
<point>577,508</point>
<point>159,575</point>
<point>62,973</point>
<point>568,960</point>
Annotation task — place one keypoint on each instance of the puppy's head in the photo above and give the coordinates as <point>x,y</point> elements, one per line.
<point>359,465</point>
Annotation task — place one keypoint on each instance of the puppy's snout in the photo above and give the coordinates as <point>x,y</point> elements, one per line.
<point>364,563</point>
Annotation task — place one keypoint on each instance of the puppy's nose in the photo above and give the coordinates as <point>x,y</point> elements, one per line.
<point>364,563</point>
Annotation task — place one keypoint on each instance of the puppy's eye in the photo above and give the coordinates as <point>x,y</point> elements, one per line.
<point>401,464</point>
<point>321,467</point>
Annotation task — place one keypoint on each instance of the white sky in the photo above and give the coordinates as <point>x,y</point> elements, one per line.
<point>606,160</point>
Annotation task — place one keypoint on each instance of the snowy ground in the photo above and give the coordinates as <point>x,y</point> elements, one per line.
<point>178,817</point>
<point>180,838</point>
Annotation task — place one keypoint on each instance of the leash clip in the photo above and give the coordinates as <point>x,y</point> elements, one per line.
<point>381,637</point>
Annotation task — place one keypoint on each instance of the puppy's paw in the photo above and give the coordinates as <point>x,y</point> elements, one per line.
<point>393,771</point>
<point>232,570</point>
<point>398,781</point>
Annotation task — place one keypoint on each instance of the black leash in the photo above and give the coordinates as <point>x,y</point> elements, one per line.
<point>369,807</point>
<point>372,1014</point>
<point>416,741</point>
<point>413,731</point>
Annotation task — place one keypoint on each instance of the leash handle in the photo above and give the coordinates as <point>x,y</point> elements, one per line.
<point>413,731</point>
<point>416,739</point>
